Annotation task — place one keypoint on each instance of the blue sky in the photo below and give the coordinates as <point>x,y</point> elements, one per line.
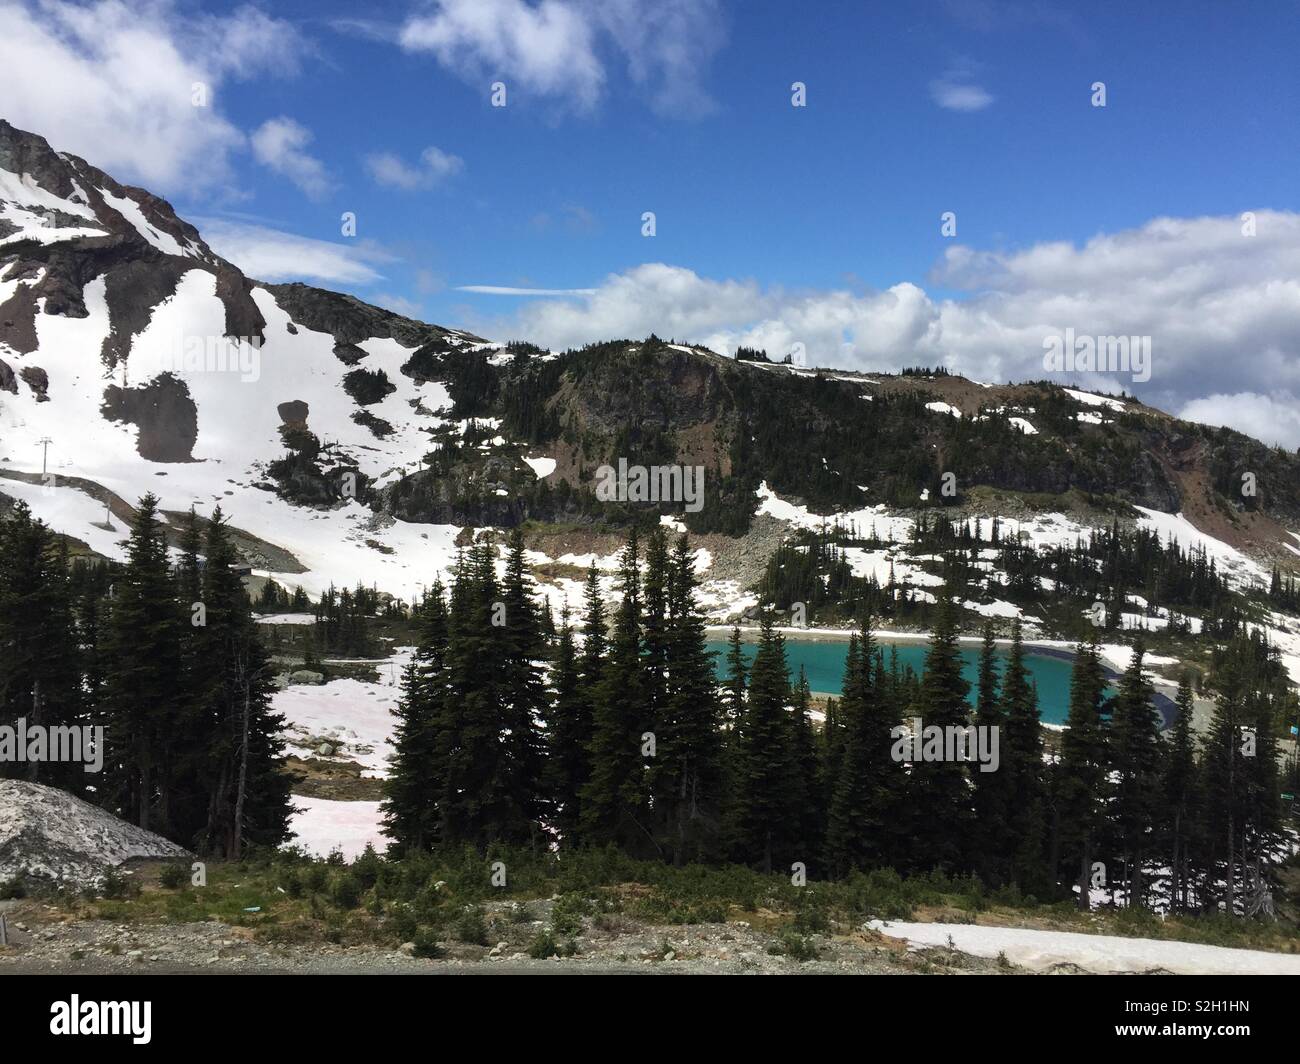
<point>849,187</point>
<point>775,224</point>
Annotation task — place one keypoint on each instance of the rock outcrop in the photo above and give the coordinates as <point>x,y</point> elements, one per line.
<point>51,835</point>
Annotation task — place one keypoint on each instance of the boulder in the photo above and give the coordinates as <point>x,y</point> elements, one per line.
<point>48,834</point>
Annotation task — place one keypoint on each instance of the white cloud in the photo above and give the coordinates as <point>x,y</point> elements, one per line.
<point>506,290</point>
<point>1274,419</point>
<point>272,255</point>
<point>435,165</point>
<point>1222,311</point>
<point>954,93</point>
<point>552,48</point>
<point>280,143</point>
<point>548,49</point>
<point>113,82</point>
<point>668,44</point>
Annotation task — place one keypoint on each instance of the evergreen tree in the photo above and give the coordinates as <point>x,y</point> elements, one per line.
<point>524,695</point>
<point>941,798</point>
<point>485,799</point>
<point>1135,730</point>
<point>734,701</point>
<point>247,790</point>
<point>807,785</point>
<point>568,734</point>
<point>1082,784</point>
<point>690,777</point>
<point>866,799</point>
<point>1180,786</point>
<point>185,747</point>
<point>765,819</point>
<point>39,677</point>
<point>833,736</point>
<point>142,651</point>
<point>614,808</point>
<point>413,791</point>
<point>1021,758</point>
<point>992,789</point>
<point>1225,780</point>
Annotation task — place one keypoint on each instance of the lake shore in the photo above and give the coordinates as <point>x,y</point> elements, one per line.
<point>1114,657</point>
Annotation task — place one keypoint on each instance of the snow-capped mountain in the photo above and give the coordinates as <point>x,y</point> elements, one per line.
<point>348,443</point>
<point>133,358</point>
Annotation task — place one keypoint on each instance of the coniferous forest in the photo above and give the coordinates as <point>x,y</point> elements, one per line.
<point>612,730</point>
<point>617,734</point>
<point>161,652</point>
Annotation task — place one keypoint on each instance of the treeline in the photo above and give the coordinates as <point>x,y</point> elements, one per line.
<point>342,622</point>
<point>814,569</point>
<point>1284,593</point>
<point>629,740</point>
<point>1107,566</point>
<point>166,658</point>
<point>276,599</point>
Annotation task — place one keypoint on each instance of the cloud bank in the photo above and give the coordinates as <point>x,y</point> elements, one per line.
<point>117,81</point>
<point>1222,310</point>
<point>560,50</point>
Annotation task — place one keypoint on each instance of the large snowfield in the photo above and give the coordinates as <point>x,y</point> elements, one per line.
<point>1041,950</point>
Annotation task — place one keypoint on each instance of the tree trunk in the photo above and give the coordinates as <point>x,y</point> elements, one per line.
<point>1085,877</point>
<point>243,775</point>
<point>38,713</point>
<point>146,787</point>
<point>1232,869</point>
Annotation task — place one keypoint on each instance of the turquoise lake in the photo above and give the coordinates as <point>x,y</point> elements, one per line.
<point>823,659</point>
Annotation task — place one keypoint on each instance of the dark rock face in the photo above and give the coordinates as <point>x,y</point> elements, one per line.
<point>663,387</point>
<point>375,424</point>
<point>368,386</point>
<point>426,361</point>
<point>133,290</point>
<point>349,354</point>
<point>18,321</point>
<point>138,274</point>
<point>163,412</point>
<point>348,319</point>
<point>312,475</point>
<point>293,414</point>
<point>8,383</point>
<point>38,381</point>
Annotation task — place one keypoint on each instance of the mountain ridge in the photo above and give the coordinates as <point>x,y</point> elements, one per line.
<point>374,421</point>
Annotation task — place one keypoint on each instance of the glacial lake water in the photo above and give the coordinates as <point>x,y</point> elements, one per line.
<point>823,659</point>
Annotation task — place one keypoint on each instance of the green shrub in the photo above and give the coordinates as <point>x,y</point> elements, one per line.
<point>795,946</point>
<point>470,926</point>
<point>345,891</point>
<point>173,876</point>
<point>315,876</point>
<point>544,945</point>
<point>12,888</point>
<point>426,944</point>
<point>116,886</point>
<point>567,914</point>
<point>813,919</point>
<point>366,867</point>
